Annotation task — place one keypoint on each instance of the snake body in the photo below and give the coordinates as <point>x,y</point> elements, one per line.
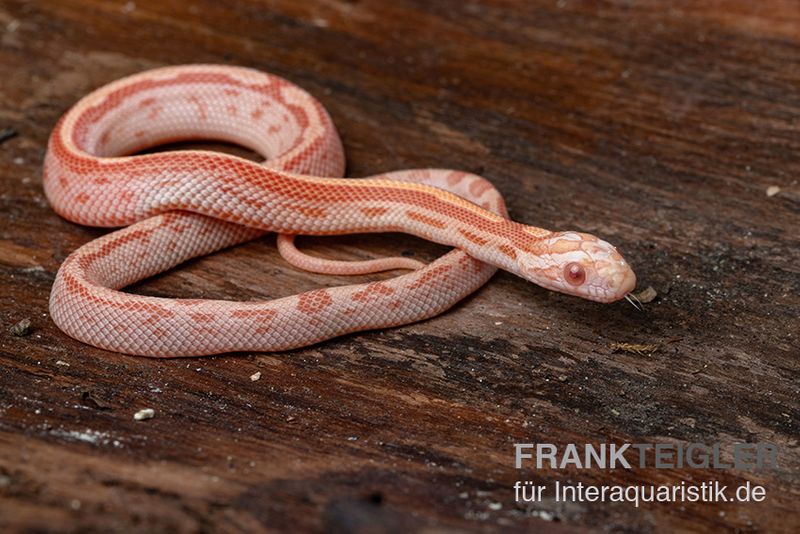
<point>179,205</point>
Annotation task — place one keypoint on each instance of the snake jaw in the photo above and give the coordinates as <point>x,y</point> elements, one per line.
<point>620,280</point>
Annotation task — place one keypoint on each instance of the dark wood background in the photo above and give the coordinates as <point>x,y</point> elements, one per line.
<point>657,125</point>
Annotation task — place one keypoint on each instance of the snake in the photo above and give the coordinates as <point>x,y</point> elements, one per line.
<point>170,206</point>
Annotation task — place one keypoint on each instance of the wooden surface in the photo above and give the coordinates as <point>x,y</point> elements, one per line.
<point>656,125</point>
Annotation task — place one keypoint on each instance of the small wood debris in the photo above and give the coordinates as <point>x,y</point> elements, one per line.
<point>543,515</point>
<point>62,362</point>
<point>6,134</point>
<point>255,376</point>
<point>22,328</point>
<point>146,413</point>
<point>646,295</point>
<point>91,399</point>
<point>634,348</point>
<point>773,190</point>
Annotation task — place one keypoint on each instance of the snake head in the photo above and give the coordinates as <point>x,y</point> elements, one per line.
<point>579,264</point>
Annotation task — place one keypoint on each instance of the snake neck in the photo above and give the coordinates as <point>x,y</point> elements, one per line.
<point>489,237</point>
<point>507,246</point>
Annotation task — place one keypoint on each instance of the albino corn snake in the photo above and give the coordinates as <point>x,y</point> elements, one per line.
<point>189,203</point>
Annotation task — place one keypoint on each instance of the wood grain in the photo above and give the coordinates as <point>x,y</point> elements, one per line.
<point>656,125</point>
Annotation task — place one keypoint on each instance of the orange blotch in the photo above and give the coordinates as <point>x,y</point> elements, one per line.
<point>263,315</point>
<point>508,250</point>
<point>429,276</point>
<point>152,319</point>
<point>373,291</point>
<point>478,187</point>
<point>201,107</point>
<point>313,302</point>
<point>188,302</point>
<point>310,211</point>
<point>468,262</point>
<point>202,317</point>
<point>374,212</point>
<point>478,240</point>
<point>424,219</point>
<point>179,228</point>
<point>454,177</point>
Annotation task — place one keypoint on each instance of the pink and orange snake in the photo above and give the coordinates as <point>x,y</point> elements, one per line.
<point>184,204</point>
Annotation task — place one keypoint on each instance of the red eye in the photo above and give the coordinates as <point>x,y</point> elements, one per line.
<point>574,274</point>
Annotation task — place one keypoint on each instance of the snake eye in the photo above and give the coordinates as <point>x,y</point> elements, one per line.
<point>574,274</point>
